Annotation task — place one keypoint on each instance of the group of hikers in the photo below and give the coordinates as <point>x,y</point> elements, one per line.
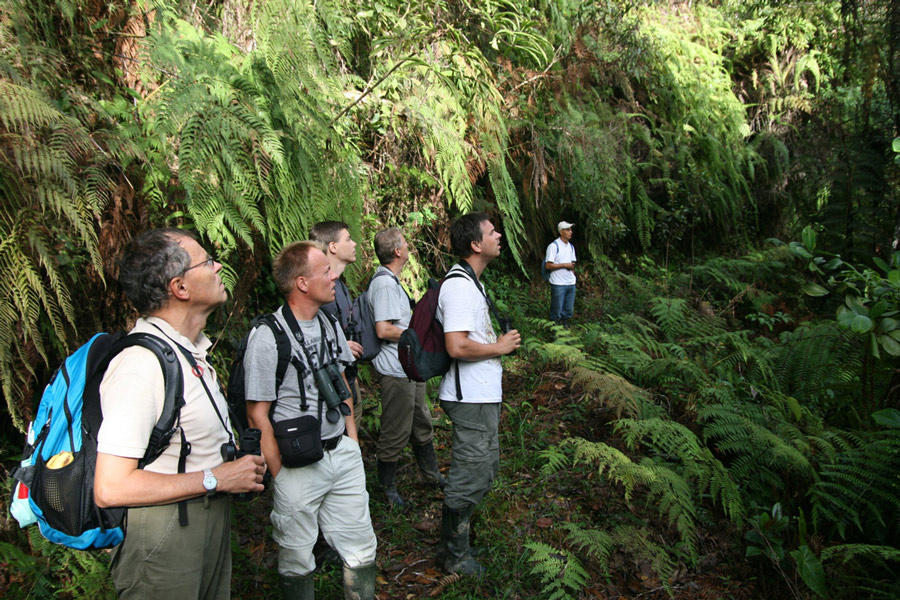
<point>306,407</point>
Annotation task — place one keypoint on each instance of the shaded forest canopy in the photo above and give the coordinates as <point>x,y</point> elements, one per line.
<point>683,139</point>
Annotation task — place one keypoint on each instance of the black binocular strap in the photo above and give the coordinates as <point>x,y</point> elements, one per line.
<point>294,326</point>
<point>182,463</point>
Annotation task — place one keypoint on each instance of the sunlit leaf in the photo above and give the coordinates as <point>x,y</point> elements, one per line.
<point>814,289</point>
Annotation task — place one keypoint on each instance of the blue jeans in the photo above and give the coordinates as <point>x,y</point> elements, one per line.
<point>562,302</point>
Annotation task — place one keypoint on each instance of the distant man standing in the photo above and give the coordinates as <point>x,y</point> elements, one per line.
<point>560,262</point>
<point>313,454</point>
<point>405,415</point>
<point>471,391</point>
<point>177,542</point>
<point>341,251</point>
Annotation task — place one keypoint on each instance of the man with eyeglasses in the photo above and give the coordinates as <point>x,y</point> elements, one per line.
<point>177,540</point>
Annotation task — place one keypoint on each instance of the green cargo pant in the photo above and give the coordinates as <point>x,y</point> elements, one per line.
<point>476,452</point>
<point>161,559</point>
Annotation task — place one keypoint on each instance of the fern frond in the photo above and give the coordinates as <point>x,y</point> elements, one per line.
<point>562,575</point>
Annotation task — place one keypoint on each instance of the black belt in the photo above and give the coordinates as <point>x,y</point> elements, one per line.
<point>331,443</point>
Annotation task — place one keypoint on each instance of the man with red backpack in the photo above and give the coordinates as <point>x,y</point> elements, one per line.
<point>471,390</point>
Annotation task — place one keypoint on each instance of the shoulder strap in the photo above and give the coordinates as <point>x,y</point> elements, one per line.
<point>379,273</point>
<point>174,391</point>
<point>282,344</point>
<point>470,274</point>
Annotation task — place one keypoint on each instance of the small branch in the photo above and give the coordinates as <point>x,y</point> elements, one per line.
<point>541,74</point>
<point>368,90</point>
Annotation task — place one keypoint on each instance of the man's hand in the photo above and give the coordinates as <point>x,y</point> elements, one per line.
<point>242,475</point>
<point>355,348</point>
<point>509,341</point>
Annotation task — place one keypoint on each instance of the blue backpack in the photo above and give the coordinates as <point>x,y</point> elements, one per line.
<point>58,467</point>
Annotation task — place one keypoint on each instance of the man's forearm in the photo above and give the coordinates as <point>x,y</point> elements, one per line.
<point>258,416</point>
<point>387,331</point>
<point>118,482</point>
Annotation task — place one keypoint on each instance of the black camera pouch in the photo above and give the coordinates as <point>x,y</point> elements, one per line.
<point>299,441</point>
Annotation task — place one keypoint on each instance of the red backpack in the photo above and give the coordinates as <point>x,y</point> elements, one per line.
<point>421,348</point>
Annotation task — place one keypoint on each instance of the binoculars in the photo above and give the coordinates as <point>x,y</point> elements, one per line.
<point>249,444</point>
<point>249,441</point>
<point>333,391</point>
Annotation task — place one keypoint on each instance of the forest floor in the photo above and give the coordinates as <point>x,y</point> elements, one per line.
<point>524,506</point>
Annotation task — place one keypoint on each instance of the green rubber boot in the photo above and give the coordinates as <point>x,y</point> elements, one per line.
<point>298,587</point>
<point>454,553</point>
<point>387,474</point>
<point>359,582</point>
<point>427,461</point>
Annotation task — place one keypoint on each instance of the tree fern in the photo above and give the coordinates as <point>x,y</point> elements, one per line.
<point>54,182</point>
<point>667,490</point>
<point>759,441</point>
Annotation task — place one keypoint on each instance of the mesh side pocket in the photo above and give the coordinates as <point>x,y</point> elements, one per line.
<point>59,495</point>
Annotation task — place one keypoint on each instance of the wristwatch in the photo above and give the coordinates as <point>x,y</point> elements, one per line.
<point>209,481</point>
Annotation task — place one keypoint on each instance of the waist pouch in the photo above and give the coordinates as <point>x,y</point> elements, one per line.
<point>299,441</point>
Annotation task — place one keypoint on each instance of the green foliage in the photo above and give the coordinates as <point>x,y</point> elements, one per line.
<point>561,574</point>
<point>55,180</point>
<point>858,491</point>
<point>871,297</point>
<point>51,570</point>
<point>254,154</point>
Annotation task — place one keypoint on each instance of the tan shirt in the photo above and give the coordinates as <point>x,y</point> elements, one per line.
<point>131,395</point>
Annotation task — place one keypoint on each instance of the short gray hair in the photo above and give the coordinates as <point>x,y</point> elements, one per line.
<point>386,241</point>
<point>147,265</point>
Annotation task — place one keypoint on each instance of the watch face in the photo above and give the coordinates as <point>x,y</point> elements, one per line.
<point>209,481</point>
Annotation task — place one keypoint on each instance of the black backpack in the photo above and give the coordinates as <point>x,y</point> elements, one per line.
<point>59,464</point>
<point>236,394</point>
<point>362,323</point>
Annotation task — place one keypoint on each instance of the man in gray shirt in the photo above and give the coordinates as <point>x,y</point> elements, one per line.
<point>405,416</point>
<point>328,488</point>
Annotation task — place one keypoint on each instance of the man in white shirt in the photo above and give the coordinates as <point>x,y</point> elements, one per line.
<point>471,391</point>
<point>405,416</point>
<point>177,541</point>
<point>559,261</point>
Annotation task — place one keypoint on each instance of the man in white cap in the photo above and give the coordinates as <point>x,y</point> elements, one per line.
<point>559,262</point>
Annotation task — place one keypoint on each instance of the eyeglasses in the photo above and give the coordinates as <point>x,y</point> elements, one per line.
<point>210,261</point>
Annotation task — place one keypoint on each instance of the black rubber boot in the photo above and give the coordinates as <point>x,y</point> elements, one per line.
<point>427,461</point>
<point>298,587</point>
<point>454,553</point>
<point>387,474</point>
<point>359,582</point>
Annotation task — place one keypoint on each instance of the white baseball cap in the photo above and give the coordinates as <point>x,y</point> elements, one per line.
<point>563,225</point>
